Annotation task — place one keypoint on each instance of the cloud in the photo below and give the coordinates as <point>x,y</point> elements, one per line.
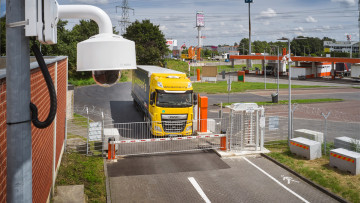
<point>163,28</point>
<point>269,13</point>
<point>345,2</point>
<point>266,22</point>
<point>310,19</point>
<point>299,29</point>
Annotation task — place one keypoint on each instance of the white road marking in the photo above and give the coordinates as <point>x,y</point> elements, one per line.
<point>268,175</point>
<point>198,189</point>
<point>289,179</point>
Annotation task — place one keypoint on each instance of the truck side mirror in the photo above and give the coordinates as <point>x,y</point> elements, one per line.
<point>195,99</point>
<point>152,98</point>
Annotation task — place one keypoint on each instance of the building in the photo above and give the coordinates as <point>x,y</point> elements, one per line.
<point>232,50</point>
<point>341,46</point>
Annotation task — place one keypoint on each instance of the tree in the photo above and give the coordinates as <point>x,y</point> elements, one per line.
<point>149,41</point>
<point>2,36</point>
<point>244,46</point>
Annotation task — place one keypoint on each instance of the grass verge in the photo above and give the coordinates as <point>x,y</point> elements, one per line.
<point>78,169</point>
<point>318,171</point>
<point>221,87</point>
<point>82,82</point>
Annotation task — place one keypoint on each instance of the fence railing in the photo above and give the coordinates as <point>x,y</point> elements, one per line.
<point>89,130</point>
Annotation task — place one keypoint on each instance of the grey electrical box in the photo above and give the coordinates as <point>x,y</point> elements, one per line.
<point>110,132</point>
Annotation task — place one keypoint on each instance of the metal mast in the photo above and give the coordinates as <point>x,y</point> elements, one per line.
<point>124,22</point>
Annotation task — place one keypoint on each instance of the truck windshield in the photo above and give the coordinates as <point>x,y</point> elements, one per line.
<point>174,100</point>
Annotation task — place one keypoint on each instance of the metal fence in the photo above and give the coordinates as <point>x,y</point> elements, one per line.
<point>330,123</point>
<point>88,131</point>
<point>136,138</point>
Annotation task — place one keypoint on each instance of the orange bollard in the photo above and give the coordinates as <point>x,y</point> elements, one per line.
<point>223,144</point>
<point>109,152</point>
<point>198,74</point>
<point>203,114</point>
<point>111,149</point>
<point>198,113</point>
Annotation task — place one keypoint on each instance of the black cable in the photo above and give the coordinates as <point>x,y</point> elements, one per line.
<point>51,89</point>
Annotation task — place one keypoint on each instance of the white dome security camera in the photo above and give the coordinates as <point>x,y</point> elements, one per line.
<point>104,54</point>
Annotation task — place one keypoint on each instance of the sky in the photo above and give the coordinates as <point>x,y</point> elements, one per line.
<point>226,21</point>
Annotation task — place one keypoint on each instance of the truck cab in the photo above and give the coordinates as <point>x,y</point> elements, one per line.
<point>170,104</point>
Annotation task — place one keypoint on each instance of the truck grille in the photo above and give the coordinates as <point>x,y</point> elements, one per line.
<point>173,123</point>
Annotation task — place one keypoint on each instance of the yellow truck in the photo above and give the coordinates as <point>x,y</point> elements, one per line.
<point>166,99</point>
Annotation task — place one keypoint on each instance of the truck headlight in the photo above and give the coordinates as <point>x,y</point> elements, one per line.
<point>189,84</point>
<point>157,128</point>
<point>188,128</point>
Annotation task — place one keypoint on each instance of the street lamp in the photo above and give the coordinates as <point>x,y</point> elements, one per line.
<point>278,68</point>
<point>289,114</point>
<point>249,62</point>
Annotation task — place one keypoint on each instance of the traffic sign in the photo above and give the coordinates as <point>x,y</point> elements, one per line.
<point>248,1</point>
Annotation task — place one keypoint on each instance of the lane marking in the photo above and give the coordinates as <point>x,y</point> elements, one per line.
<point>268,175</point>
<point>198,189</point>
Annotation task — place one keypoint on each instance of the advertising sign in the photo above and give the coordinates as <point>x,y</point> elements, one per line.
<point>200,22</point>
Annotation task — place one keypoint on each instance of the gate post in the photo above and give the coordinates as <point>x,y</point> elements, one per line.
<point>198,74</point>
<point>262,126</point>
<point>223,144</point>
<point>203,113</point>
<point>111,149</point>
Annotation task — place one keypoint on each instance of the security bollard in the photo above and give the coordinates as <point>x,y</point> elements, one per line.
<point>223,146</point>
<point>111,149</point>
<point>198,74</point>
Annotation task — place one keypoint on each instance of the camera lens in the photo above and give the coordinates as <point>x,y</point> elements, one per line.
<point>106,78</point>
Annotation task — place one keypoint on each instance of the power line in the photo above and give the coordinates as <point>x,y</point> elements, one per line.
<point>124,22</point>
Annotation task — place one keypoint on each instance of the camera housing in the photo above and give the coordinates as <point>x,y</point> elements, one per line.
<point>104,54</point>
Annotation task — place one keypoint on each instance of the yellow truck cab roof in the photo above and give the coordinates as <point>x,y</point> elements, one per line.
<point>171,80</point>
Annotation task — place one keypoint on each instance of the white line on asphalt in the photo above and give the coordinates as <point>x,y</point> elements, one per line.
<point>198,189</point>
<point>286,188</point>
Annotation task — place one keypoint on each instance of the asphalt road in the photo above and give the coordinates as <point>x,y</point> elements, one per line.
<point>170,177</point>
<point>166,178</point>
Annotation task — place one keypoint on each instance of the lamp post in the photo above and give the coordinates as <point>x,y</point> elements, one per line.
<point>289,113</point>
<point>249,62</point>
<point>278,68</point>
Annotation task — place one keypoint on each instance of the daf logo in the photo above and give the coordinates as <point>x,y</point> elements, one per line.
<point>172,117</point>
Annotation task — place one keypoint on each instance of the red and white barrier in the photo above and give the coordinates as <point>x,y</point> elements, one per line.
<point>166,139</point>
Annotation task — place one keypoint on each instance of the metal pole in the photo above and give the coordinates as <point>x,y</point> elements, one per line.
<point>325,133</point>
<point>289,115</point>
<point>278,69</point>
<point>88,131</point>
<point>229,86</point>
<point>250,66</point>
<point>292,119</point>
<point>264,69</point>
<point>19,150</point>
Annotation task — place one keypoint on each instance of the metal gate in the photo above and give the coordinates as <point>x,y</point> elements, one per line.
<point>246,129</point>
<point>136,138</point>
